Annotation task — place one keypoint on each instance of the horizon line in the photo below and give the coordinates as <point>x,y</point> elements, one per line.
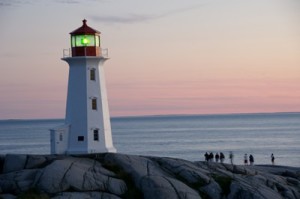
<point>166,115</point>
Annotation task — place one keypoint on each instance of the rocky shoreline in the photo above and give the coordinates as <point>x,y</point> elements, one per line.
<point>116,176</point>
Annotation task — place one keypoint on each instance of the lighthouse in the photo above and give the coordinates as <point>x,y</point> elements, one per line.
<point>87,127</point>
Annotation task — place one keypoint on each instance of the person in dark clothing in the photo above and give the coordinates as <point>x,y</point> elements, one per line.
<point>222,157</point>
<point>272,159</point>
<point>217,157</point>
<point>206,156</point>
<point>231,157</point>
<point>251,159</point>
<point>211,157</point>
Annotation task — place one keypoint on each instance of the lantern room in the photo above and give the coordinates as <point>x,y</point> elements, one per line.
<point>85,41</point>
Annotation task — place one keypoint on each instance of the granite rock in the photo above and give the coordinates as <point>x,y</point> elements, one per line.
<point>85,195</point>
<point>7,196</point>
<point>14,162</point>
<point>80,174</point>
<point>18,181</point>
<point>35,161</point>
<point>117,176</point>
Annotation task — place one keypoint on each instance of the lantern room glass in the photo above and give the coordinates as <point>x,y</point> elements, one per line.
<point>97,41</point>
<point>85,40</point>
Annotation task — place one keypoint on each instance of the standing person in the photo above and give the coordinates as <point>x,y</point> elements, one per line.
<point>206,156</point>
<point>245,159</point>
<point>251,159</point>
<point>231,157</point>
<point>222,157</point>
<point>272,159</point>
<point>211,157</point>
<point>217,157</point>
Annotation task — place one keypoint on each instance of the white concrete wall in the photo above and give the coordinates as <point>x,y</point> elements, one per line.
<point>99,119</point>
<point>105,109</point>
<point>76,109</point>
<point>79,113</point>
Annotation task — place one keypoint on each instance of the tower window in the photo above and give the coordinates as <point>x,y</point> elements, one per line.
<point>60,137</point>
<point>80,138</point>
<point>96,135</point>
<point>93,74</point>
<point>94,104</point>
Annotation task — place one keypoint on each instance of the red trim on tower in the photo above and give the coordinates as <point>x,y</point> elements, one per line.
<point>86,51</point>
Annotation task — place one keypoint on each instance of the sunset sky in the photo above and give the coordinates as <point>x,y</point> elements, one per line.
<point>166,56</point>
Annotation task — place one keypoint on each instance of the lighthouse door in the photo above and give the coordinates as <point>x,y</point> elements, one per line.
<point>59,139</point>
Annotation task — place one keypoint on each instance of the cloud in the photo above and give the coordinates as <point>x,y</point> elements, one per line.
<point>136,18</point>
<point>5,3</point>
<point>131,18</point>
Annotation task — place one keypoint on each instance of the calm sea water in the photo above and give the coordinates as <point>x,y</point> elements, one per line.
<point>187,137</point>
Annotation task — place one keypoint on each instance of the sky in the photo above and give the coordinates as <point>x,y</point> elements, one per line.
<point>166,56</point>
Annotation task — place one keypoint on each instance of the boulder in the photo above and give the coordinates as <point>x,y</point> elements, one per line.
<point>160,187</point>
<point>18,181</point>
<point>213,190</point>
<point>291,174</point>
<point>136,166</point>
<point>150,177</point>
<point>35,161</point>
<point>52,179</point>
<point>293,181</point>
<point>185,170</point>
<point>80,174</point>
<point>14,162</point>
<point>239,190</point>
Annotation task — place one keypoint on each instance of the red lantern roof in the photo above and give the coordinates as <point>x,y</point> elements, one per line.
<point>85,29</point>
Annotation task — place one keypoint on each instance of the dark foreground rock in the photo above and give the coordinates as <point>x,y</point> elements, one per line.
<point>116,176</point>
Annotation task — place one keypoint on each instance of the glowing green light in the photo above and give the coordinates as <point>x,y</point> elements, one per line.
<point>85,41</point>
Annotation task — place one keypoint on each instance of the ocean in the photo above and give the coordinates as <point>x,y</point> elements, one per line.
<point>179,136</point>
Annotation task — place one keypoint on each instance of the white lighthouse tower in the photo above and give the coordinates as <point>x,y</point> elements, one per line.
<point>87,126</point>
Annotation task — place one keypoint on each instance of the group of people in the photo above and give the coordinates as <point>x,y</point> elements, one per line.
<point>210,157</point>
<point>251,159</point>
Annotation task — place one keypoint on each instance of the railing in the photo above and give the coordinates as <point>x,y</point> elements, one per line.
<point>68,52</point>
<point>104,52</point>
